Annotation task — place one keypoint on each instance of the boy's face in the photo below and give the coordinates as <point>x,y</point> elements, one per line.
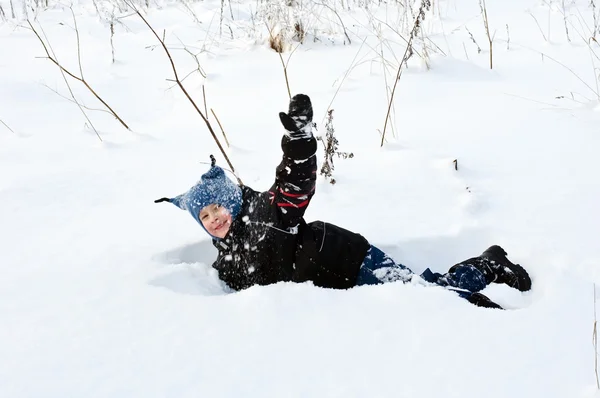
<point>216,219</point>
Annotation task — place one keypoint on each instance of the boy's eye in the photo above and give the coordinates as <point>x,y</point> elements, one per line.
<point>203,217</point>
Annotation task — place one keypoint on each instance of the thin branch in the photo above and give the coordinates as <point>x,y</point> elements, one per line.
<point>76,77</point>
<point>195,56</point>
<point>205,106</point>
<point>6,125</point>
<point>78,43</point>
<point>204,118</point>
<point>62,72</point>
<point>337,15</point>
<point>221,127</point>
<point>538,25</point>
<point>75,102</point>
<point>402,37</point>
<point>564,66</point>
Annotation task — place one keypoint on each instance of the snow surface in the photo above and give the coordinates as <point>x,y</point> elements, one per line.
<point>105,294</point>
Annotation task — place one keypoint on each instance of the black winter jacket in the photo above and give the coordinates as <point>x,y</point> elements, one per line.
<point>269,241</point>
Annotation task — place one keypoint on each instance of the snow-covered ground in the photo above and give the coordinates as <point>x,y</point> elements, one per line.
<point>104,293</point>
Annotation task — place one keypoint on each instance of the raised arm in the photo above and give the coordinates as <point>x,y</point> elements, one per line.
<point>297,173</point>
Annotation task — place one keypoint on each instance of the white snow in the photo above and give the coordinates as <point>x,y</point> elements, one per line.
<point>104,293</point>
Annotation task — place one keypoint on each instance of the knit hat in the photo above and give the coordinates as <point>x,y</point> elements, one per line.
<point>214,187</point>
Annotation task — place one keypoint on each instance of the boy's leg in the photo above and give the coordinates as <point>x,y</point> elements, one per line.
<point>496,268</point>
<point>378,267</point>
<point>476,273</point>
<point>466,281</point>
<point>465,277</point>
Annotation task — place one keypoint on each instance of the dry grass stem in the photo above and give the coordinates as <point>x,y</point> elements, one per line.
<point>593,4</point>
<point>276,43</point>
<point>473,40</point>
<point>425,5</point>
<point>330,146</point>
<point>544,55</point>
<point>487,30</point>
<point>112,44</point>
<point>344,78</point>
<point>339,18</point>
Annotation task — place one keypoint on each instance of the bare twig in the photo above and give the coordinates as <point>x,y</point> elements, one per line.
<point>76,102</point>
<point>80,79</point>
<point>544,55</point>
<point>204,99</point>
<point>425,5</point>
<point>78,43</point>
<point>6,125</point>
<point>508,38</point>
<point>340,19</point>
<point>195,56</point>
<point>221,127</point>
<point>204,118</point>
<point>62,72</point>
<point>538,25</point>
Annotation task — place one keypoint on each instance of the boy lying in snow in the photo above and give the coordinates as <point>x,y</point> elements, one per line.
<point>262,237</point>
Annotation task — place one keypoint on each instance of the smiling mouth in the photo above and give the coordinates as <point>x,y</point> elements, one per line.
<point>220,226</point>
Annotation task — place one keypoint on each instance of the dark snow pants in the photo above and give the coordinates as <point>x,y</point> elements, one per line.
<point>378,268</point>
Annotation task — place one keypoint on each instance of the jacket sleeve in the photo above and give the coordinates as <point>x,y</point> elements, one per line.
<point>295,177</point>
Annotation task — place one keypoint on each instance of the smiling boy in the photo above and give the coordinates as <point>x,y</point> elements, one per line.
<point>263,238</point>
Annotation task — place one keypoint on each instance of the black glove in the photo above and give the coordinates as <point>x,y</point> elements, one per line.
<point>299,114</point>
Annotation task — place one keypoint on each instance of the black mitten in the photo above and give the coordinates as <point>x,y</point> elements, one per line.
<point>299,117</point>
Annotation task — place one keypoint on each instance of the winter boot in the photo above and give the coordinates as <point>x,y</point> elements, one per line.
<point>496,268</point>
